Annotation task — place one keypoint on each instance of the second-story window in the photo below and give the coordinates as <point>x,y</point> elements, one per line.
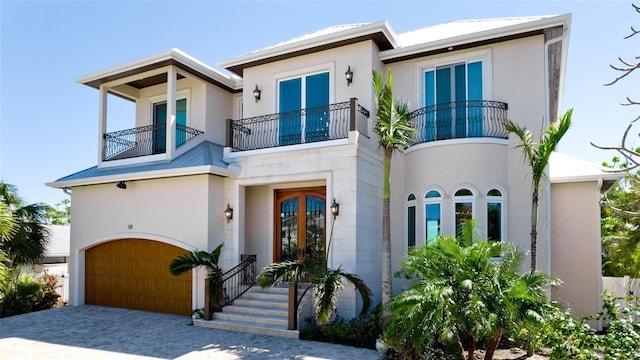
<point>160,119</point>
<point>448,88</point>
<point>309,92</point>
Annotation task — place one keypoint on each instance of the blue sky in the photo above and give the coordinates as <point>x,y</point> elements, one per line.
<point>48,122</point>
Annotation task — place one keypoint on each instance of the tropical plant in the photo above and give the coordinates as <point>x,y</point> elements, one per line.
<point>537,156</point>
<point>327,282</point>
<point>27,294</point>
<point>27,242</point>
<point>462,296</point>
<point>188,261</point>
<point>394,133</point>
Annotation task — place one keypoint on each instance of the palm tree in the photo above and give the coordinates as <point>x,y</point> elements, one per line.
<point>189,261</point>
<point>537,157</point>
<point>28,241</point>
<point>395,133</point>
<point>327,282</point>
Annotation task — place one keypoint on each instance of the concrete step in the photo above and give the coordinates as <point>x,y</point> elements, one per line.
<point>244,309</point>
<point>270,304</point>
<point>248,328</point>
<point>261,319</point>
<point>268,296</point>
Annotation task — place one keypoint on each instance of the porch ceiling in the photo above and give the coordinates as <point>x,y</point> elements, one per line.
<point>151,81</point>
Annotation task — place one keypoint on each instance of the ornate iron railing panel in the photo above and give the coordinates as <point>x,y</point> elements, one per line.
<point>239,279</point>
<point>320,123</point>
<point>461,119</point>
<point>143,141</point>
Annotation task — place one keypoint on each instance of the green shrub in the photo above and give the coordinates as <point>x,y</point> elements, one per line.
<point>27,294</point>
<point>569,338</point>
<point>357,332</point>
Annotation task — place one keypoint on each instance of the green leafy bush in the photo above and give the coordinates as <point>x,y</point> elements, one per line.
<point>357,332</point>
<point>569,338</point>
<point>27,294</point>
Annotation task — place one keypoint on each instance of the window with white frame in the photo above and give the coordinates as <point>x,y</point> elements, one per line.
<point>463,201</point>
<point>495,214</point>
<point>432,215</point>
<point>411,221</point>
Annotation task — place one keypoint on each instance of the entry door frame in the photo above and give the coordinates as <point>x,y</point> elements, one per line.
<point>285,194</point>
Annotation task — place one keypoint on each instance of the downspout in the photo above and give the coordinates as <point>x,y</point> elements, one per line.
<point>599,251</point>
<point>547,114</point>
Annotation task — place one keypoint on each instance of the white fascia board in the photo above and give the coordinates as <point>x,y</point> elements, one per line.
<point>586,177</point>
<point>563,20</point>
<point>380,26</point>
<point>231,171</point>
<point>171,54</point>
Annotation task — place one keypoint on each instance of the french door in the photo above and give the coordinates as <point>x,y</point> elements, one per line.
<point>160,119</point>
<point>300,223</point>
<point>311,93</point>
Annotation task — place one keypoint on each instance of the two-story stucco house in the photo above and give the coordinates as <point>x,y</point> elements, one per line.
<point>254,157</point>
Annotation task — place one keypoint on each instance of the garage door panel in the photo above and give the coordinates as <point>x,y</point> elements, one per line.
<point>134,274</point>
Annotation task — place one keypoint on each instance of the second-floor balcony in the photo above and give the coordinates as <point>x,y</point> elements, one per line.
<point>316,124</point>
<point>143,141</point>
<point>461,119</point>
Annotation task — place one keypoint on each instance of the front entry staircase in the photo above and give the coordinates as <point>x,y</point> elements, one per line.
<point>257,311</point>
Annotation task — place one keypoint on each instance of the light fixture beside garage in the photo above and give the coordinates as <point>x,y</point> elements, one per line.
<point>121,185</point>
<point>228,213</point>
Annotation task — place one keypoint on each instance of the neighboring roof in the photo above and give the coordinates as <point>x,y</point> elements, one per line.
<point>379,32</point>
<point>205,157</point>
<point>174,57</point>
<point>564,168</point>
<point>463,34</point>
<point>59,240</point>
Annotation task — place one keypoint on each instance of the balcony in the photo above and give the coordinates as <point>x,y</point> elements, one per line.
<point>462,119</point>
<point>143,141</point>
<point>302,126</point>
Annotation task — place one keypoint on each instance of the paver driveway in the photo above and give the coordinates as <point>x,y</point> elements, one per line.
<point>96,332</point>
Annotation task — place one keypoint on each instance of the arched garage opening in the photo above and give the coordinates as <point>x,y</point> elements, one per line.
<point>134,274</point>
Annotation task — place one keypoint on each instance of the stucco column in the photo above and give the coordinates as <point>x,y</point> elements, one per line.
<point>102,122</point>
<point>171,113</point>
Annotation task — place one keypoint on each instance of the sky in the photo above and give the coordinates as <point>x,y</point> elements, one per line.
<point>49,123</point>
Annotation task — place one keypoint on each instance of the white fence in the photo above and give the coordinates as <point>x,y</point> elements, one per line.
<point>621,287</point>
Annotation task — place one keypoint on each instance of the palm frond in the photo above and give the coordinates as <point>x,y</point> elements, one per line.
<point>185,262</point>
<point>362,288</point>
<point>277,273</point>
<point>328,287</point>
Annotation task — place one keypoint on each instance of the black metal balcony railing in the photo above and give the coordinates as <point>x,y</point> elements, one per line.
<point>143,141</point>
<point>462,119</point>
<point>302,126</point>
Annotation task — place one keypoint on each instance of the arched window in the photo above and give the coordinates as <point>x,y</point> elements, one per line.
<point>433,216</point>
<point>463,200</point>
<point>411,221</point>
<point>495,214</point>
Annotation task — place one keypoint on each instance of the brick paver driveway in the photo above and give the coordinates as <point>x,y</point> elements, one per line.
<point>96,332</point>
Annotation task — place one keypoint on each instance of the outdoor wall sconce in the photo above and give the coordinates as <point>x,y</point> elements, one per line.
<point>228,213</point>
<point>121,185</point>
<point>349,75</point>
<point>257,93</point>
<point>335,208</point>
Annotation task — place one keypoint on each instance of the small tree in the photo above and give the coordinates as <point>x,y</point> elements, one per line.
<point>189,261</point>
<point>394,133</point>
<point>537,157</point>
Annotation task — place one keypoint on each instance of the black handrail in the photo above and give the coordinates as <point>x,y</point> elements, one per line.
<point>460,119</point>
<point>239,279</point>
<point>320,123</point>
<point>143,141</point>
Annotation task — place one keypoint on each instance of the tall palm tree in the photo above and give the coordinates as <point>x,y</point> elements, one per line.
<point>395,133</point>
<point>28,241</point>
<point>537,157</point>
<point>194,259</point>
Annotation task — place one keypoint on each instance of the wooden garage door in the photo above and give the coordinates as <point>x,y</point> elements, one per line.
<point>134,274</point>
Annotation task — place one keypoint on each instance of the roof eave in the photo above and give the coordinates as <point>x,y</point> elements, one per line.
<point>158,60</point>
<point>230,171</point>
<point>503,32</point>
<point>237,65</point>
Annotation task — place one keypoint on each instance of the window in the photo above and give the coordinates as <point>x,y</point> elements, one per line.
<point>448,88</point>
<point>309,92</point>
<point>411,221</point>
<point>463,207</point>
<point>160,119</point>
<point>433,216</point>
<point>494,215</point>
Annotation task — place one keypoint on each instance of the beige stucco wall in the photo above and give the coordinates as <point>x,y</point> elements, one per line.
<point>576,246</point>
<point>177,211</point>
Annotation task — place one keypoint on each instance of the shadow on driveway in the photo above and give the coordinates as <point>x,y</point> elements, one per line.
<point>96,332</point>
